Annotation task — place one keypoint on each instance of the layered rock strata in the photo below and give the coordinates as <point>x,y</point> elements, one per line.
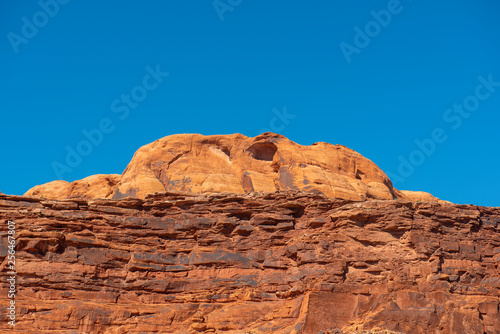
<point>278,262</point>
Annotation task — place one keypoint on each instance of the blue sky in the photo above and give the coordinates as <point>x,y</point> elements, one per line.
<point>375,76</point>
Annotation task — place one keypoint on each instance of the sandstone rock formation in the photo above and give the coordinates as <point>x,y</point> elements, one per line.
<point>95,186</point>
<point>417,196</point>
<point>236,164</point>
<point>279,262</point>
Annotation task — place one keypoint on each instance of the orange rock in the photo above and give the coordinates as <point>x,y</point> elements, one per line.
<point>277,262</point>
<point>417,196</point>
<point>238,164</point>
<point>95,186</point>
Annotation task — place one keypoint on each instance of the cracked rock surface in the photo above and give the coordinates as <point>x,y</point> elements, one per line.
<point>278,262</point>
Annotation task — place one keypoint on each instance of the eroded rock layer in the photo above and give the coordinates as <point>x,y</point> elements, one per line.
<point>282,262</point>
<point>236,164</point>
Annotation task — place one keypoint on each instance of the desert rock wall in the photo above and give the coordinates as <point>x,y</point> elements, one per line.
<point>280,262</point>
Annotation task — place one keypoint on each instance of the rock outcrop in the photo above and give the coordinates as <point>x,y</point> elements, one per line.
<point>279,262</point>
<point>94,186</point>
<point>236,164</point>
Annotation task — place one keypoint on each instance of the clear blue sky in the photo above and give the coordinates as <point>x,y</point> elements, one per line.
<point>235,65</point>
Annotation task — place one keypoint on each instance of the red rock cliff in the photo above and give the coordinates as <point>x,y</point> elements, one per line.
<point>281,262</point>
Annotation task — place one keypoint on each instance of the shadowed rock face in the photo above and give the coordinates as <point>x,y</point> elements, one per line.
<point>237,164</point>
<point>281,262</point>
